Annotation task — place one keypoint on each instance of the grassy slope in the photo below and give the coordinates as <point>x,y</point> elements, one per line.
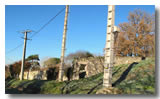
<point>139,79</point>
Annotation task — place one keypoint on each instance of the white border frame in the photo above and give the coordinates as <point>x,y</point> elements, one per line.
<point>68,2</point>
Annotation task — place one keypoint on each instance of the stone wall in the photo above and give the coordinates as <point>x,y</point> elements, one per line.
<point>94,65</point>
<point>41,75</point>
<point>85,67</point>
<point>126,60</point>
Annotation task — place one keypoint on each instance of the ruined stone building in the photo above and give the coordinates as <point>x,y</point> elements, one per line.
<point>80,68</point>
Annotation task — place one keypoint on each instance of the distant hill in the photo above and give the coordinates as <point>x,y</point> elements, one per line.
<point>135,78</point>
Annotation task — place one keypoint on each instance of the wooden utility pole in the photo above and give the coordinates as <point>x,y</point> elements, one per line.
<point>24,53</point>
<point>61,68</point>
<point>109,48</point>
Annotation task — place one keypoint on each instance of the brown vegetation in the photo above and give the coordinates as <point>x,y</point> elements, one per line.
<point>137,36</point>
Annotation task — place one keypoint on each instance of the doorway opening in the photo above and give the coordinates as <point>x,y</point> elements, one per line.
<point>82,71</point>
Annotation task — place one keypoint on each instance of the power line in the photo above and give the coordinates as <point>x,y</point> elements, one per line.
<point>18,46</point>
<point>47,23</point>
<point>14,48</point>
<point>10,59</point>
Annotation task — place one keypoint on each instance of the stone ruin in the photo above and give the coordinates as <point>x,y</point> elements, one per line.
<point>81,68</point>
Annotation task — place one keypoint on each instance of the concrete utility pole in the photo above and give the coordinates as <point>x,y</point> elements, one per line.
<point>109,48</point>
<point>61,70</point>
<point>24,53</point>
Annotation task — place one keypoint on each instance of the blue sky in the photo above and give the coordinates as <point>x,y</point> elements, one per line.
<point>86,28</point>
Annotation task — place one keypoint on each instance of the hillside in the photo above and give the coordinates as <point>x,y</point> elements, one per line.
<point>135,78</point>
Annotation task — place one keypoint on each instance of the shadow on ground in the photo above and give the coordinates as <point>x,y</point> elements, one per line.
<point>87,85</point>
<point>31,88</point>
<point>124,74</point>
